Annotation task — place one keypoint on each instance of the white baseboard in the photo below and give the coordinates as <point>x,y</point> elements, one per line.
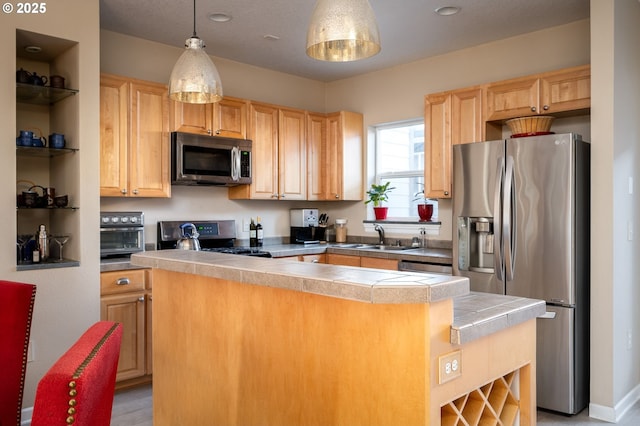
<point>614,414</point>
<point>26,416</point>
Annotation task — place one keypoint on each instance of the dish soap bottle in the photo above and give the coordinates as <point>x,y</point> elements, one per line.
<point>259,233</point>
<point>253,234</point>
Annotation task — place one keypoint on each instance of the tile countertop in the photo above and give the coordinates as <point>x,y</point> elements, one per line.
<point>475,314</point>
<point>430,255</point>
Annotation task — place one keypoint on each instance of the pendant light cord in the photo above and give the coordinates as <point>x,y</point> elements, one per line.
<point>194,19</point>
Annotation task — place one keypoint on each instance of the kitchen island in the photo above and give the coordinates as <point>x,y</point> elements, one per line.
<point>247,341</point>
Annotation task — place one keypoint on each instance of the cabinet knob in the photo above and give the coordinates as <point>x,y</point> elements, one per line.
<point>546,107</point>
<point>446,192</point>
<point>533,109</point>
<point>274,195</point>
<point>123,190</point>
<point>141,299</point>
<point>135,191</point>
<point>218,132</point>
<point>123,281</point>
<point>209,132</point>
<point>337,196</point>
<point>282,196</point>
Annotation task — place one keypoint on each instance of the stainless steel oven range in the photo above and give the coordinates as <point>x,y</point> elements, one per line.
<point>214,235</point>
<point>121,234</point>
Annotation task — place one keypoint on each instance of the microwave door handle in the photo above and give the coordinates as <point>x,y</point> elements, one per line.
<point>235,163</point>
<point>498,253</point>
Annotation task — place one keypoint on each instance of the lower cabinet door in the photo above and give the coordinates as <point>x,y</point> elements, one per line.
<point>129,310</point>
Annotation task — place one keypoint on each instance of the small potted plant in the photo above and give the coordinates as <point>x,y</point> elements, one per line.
<point>377,195</point>
<point>425,208</point>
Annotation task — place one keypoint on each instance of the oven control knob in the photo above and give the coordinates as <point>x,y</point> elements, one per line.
<point>125,219</point>
<point>133,219</point>
<point>105,219</point>
<point>115,219</point>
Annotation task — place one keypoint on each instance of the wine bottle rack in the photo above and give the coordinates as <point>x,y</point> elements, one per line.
<point>494,404</point>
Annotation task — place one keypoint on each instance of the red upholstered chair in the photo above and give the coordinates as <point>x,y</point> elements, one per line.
<point>16,309</point>
<point>79,387</point>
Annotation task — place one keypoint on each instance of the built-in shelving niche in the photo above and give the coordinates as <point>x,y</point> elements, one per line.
<point>495,403</point>
<point>44,110</point>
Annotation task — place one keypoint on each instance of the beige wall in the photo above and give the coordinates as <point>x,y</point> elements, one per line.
<point>615,159</point>
<point>67,299</point>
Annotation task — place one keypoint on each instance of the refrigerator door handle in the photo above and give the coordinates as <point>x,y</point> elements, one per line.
<point>509,220</point>
<point>498,252</point>
<point>548,315</point>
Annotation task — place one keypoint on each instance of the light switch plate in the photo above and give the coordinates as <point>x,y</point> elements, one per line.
<point>449,366</point>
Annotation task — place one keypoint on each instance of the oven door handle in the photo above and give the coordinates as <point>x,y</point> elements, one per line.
<point>120,229</point>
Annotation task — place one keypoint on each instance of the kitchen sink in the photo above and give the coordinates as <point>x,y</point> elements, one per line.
<point>382,247</point>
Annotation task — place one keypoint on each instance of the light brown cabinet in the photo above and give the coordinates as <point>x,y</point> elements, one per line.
<point>309,258</point>
<point>451,118</point>
<point>335,156</point>
<point>125,297</point>
<point>548,93</point>
<point>361,261</point>
<point>226,118</point>
<point>278,154</point>
<point>134,138</point>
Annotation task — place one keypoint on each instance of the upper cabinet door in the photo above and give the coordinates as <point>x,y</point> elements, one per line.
<point>467,122</point>
<point>345,156</point>
<point>191,118</point>
<point>114,136</point>
<point>513,98</point>
<point>149,166</point>
<point>316,143</point>
<point>437,145</point>
<point>568,90</point>
<point>292,155</point>
<point>230,118</point>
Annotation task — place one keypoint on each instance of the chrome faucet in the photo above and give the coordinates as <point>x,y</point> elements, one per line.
<point>380,233</point>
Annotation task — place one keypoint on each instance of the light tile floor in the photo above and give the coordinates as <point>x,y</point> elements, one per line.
<point>133,407</point>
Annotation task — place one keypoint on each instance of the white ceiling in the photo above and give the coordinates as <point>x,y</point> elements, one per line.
<point>409,29</point>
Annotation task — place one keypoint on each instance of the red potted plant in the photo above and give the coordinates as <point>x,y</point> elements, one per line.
<point>377,195</point>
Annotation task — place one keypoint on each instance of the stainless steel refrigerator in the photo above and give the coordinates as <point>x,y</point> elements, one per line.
<point>521,219</point>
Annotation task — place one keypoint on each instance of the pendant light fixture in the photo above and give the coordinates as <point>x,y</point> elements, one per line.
<point>342,31</point>
<point>194,78</point>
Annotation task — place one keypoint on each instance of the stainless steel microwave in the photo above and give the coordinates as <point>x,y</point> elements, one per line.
<point>209,160</point>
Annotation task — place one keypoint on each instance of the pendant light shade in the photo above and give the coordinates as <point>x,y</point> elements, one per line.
<point>194,78</point>
<point>342,31</point>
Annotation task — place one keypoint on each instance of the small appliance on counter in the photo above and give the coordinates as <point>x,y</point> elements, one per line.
<point>305,226</point>
<point>121,234</point>
<point>213,235</point>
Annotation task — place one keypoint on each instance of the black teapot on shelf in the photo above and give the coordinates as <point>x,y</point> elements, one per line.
<point>26,77</point>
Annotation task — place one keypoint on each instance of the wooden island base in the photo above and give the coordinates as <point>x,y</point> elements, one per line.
<point>228,353</point>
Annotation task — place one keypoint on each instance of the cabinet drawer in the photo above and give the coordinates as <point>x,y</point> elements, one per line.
<point>113,282</point>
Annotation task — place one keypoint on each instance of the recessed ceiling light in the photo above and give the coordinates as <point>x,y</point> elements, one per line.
<point>33,49</point>
<point>447,10</point>
<point>220,17</point>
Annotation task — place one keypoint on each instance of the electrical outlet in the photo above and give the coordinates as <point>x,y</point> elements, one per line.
<point>450,366</point>
<point>245,225</point>
<point>629,340</point>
